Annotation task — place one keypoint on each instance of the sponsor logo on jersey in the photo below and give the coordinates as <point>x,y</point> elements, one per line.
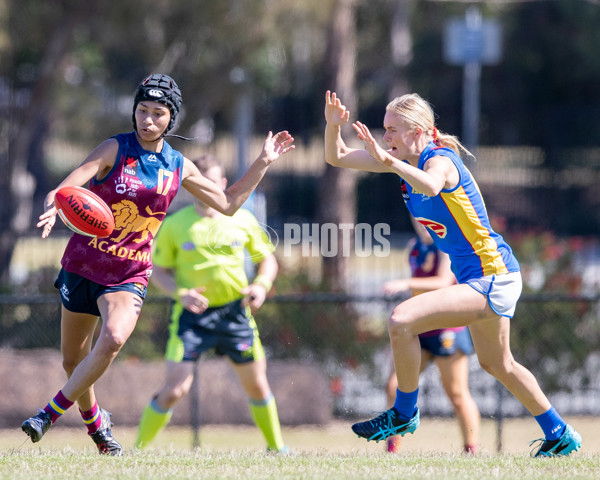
<point>439,229</point>
<point>131,166</point>
<point>404,190</point>
<point>127,185</point>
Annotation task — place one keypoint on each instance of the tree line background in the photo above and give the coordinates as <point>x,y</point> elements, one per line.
<point>70,68</point>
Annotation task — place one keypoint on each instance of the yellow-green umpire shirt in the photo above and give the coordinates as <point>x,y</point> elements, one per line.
<point>210,252</point>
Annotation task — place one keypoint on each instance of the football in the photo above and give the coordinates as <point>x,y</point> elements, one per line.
<point>84,212</point>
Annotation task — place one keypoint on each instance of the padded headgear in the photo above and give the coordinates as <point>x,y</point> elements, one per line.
<point>162,89</point>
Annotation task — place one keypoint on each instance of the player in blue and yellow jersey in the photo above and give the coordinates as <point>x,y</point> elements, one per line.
<point>448,348</point>
<point>199,258</point>
<point>137,174</point>
<point>441,194</point>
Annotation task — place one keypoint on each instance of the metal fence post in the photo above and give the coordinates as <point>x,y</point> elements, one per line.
<point>499,416</point>
<point>195,405</point>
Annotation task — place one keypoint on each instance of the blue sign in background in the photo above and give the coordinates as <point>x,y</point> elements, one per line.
<point>472,42</point>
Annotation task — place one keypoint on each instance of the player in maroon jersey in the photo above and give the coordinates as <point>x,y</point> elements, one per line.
<point>137,174</point>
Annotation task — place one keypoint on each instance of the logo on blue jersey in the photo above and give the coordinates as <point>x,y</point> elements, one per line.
<point>131,166</point>
<point>439,229</point>
<point>404,190</point>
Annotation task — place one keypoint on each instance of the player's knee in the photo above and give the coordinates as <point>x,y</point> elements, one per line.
<point>399,323</point>
<point>486,365</point>
<point>496,367</point>
<point>69,365</point>
<point>169,397</point>
<point>110,344</point>
<point>457,399</point>
<point>259,390</point>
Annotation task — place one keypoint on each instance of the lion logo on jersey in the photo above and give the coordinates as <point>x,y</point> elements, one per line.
<point>128,219</point>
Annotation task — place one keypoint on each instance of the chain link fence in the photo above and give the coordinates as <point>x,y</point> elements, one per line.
<point>556,337</point>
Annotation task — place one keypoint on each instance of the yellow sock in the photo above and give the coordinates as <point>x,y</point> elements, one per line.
<point>151,423</point>
<point>266,419</point>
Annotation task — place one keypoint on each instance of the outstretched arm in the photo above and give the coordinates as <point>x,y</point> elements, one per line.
<point>438,173</point>
<point>231,199</point>
<point>97,164</point>
<point>337,153</point>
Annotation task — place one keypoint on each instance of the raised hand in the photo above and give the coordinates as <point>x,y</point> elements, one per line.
<point>371,146</point>
<point>277,145</point>
<point>335,111</point>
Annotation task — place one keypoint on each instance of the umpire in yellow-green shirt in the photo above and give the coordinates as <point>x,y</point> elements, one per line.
<point>199,256</point>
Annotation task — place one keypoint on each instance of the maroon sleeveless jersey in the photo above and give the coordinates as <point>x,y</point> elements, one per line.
<point>138,189</point>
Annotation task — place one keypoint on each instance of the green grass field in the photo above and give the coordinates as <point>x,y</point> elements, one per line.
<point>331,452</point>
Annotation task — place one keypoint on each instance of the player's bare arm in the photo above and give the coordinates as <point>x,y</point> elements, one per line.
<point>97,164</point>
<point>337,153</point>
<point>231,199</point>
<point>438,173</point>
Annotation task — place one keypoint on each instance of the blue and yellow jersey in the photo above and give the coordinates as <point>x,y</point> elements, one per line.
<point>459,224</point>
<point>424,261</point>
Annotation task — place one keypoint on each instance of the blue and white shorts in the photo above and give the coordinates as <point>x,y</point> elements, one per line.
<point>503,291</point>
